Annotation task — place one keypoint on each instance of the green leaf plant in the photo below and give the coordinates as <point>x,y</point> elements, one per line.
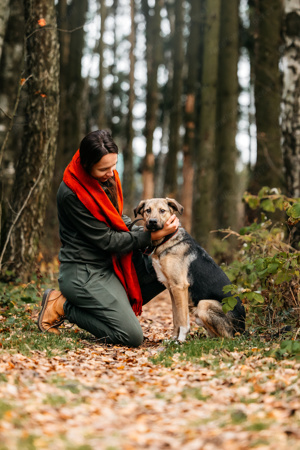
<point>266,274</point>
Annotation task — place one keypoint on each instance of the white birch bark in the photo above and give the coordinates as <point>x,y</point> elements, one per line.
<point>290,117</point>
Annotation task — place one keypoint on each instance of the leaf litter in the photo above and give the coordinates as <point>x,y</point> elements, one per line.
<point>113,397</point>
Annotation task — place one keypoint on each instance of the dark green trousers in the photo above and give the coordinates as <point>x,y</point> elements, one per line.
<point>97,301</point>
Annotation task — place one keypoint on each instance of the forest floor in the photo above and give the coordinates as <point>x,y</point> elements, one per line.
<point>230,395</point>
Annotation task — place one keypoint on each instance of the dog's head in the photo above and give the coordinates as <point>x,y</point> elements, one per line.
<point>157,211</point>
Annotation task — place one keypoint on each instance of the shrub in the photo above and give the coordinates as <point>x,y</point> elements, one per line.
<point>266,274</point>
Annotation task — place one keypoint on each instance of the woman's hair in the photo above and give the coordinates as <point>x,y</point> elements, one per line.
<point>94,146</point>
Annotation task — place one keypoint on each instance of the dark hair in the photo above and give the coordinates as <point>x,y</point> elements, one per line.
<point>94,146</point>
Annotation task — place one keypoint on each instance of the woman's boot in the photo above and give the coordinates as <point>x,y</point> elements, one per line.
<point>52,313</point>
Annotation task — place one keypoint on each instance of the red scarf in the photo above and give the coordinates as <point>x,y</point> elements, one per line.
<point>91,194</point>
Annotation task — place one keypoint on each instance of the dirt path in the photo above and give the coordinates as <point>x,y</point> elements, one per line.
<point>116,398</point>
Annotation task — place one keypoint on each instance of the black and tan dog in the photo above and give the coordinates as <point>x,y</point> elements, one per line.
<point>190,274</point>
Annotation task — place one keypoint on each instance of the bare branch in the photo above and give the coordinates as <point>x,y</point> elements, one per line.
<point>5,113</point>
<point>19,213</point>
<point>12,118</point>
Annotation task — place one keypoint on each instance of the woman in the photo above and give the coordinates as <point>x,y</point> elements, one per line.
<point>103,277</point>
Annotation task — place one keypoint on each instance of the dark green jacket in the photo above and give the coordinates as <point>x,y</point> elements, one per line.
<point>87,240</point>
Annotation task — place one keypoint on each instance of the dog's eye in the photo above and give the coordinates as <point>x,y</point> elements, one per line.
<point>162,210</point>
<point>148,210</point>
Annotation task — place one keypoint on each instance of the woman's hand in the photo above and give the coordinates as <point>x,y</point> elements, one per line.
<point>170,227</point>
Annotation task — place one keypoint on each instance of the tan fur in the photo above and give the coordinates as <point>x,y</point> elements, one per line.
<point>210,315</point>
<point>171,261</point>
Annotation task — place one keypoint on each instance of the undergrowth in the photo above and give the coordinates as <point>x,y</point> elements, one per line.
<point>19,308</point>
<point>265,272</point>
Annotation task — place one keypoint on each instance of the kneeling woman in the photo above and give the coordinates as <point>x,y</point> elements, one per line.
<point>104,278</point>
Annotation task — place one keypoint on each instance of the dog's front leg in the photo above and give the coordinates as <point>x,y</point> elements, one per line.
<point>181,320</point>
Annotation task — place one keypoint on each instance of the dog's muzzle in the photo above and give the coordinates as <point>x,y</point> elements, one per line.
<point>152,225</point>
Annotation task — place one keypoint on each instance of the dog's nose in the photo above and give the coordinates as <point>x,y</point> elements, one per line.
<point>152,221</point>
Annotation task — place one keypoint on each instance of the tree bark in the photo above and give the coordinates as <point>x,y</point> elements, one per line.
<point>175,141</point>
<point>227,115</point>
<point>71,37</point>
<point>267,89</point>
<point>290,117</point>
<point>114,95</point>
<point>11,96</point>
<point>153,57</point>
<point>4,13</point>
<point>193,62</point>
<point>20,245</point>
<point>101,112</point>
<point>204,219</point>
<point>71,19</point>
<point>128,174</point>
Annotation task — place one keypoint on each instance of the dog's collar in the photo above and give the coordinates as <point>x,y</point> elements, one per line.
<point>150,249</point>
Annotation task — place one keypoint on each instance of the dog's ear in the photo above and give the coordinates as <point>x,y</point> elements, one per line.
<point>175,205</point>
<point>139,208</point>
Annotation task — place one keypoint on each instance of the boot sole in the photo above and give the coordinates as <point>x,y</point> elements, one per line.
<point>44,305</point>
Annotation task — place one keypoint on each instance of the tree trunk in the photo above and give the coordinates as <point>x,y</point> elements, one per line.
<point>153,57</point>
<point>204,219</point>
<point>70,16</point>
<point>114,91</point>
<point>36,164</point>
<point>101,112</point>
<point>128,174</point>
<point>4,13</point>
<point>291,97</point>
<point>190,114</point>
<point>175,143</point>
<point>267,89</point>
<point>227,115</point>
<point>11,101</point>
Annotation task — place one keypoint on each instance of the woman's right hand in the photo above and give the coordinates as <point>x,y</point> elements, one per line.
<point>170,227</point>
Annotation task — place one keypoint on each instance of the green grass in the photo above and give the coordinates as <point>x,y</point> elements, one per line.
<point>195,348</point>
<point>18,329</point>
<point>194,393</point>
<point>4,407</point>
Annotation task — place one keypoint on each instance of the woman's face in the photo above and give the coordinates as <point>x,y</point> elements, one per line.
<point>103,169</point>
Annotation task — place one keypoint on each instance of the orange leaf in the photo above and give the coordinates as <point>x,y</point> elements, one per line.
<point>22,81</point>
<point>42,22</point>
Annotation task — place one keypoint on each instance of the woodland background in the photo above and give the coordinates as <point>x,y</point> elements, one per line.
<point>201,96</point>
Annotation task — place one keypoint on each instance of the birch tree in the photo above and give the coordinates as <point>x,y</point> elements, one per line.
<point>290,117</point>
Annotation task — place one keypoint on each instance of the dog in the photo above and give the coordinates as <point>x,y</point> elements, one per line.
<point>192,277</point>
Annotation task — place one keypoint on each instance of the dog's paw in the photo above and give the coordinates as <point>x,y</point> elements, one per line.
<point>183,331</point>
